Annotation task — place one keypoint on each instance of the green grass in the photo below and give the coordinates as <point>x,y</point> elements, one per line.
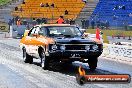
<point>112,32</point>
<point>3,2</point>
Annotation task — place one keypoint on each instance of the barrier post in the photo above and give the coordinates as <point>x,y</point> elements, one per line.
<point>129,38</point>
<point>11,29</point>
<point>113,36</point>
<point>118,36</point>
<point>105,39</point>
<point>5,35</point>
<point>123,36</point>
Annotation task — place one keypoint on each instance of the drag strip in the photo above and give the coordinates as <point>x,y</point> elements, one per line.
<point>73,68</point>
<point>11,59</point>
<point>11,79</point>
<point>33,73</point>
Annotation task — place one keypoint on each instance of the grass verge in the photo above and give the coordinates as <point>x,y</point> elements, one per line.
<point>3,2</point>
<point>112,32</point>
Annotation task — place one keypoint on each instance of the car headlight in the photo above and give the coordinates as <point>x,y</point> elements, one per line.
<point>54,47</point>
<point>87,47</point>
<point>95,47</point>
<point>62,47</point>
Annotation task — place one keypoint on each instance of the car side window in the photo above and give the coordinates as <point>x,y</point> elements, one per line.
<point>43,31</point>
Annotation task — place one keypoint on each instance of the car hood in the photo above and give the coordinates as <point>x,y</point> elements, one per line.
<point>75,40</point>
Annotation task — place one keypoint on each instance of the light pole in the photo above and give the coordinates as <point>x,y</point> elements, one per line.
<point>115,20</point>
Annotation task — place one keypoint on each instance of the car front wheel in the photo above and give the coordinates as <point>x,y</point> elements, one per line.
<point>92,63</point>
<point>27,58</point>
<point>44,60</point>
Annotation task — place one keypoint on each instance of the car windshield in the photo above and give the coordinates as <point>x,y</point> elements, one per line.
<point>62,31</point>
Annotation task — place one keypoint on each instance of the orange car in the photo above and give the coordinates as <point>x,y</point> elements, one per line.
<point>59,43</point>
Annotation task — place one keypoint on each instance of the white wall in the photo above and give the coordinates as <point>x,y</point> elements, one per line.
<point>121,52</point>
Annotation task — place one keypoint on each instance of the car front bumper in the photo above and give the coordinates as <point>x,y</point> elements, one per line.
<point>74,54</point>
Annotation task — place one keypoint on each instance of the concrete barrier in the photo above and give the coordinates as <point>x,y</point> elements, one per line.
<point>120,52</point>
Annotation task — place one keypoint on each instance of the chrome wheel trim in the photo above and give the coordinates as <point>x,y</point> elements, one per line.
<point>42,60</point>
<point>24,54</point>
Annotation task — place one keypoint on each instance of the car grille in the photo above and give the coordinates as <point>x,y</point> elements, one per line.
<point>75,47</point>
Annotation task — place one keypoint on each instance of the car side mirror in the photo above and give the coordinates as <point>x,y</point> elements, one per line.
<point>85,34</point>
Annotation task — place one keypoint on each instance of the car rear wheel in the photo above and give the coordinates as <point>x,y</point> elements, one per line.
<point>27,58</point>
<point>44,60</point>
<point>92,63</point>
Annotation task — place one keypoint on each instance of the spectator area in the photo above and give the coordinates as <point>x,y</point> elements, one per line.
<point>113,12</point>
<point>32,9</point>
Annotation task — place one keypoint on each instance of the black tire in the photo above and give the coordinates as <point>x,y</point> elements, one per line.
<point>92,63</point>
<point>27,58</point>
<point>44,60</point>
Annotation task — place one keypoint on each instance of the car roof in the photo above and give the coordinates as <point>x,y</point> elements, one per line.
<point>54,25</point>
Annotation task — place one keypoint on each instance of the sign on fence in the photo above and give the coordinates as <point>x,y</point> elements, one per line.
<point>2,27</point>
<point>118,51</point>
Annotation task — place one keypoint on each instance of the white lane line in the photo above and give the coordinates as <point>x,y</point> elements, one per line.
<point>71,76</point>
<point>101,85</point>
<point>117,60</point>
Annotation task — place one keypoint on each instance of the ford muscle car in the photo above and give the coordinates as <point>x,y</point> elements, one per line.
<point>59,43</point>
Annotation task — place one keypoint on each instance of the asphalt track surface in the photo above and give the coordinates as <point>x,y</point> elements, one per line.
<point>14,73</point>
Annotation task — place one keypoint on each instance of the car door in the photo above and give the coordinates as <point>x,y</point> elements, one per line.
<point>31,40</point>
<point>43,37</point>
